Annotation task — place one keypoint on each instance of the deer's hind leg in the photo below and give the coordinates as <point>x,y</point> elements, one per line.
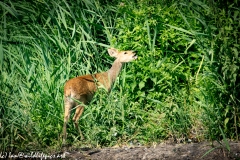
<point>84,99</point>
<point>67,110</point>
<point>78,113</point>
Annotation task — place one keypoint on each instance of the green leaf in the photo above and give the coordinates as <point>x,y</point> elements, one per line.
<point>226,121</point>
<point>141,85</point>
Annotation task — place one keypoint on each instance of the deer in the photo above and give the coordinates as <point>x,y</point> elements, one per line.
<point>82,88</point>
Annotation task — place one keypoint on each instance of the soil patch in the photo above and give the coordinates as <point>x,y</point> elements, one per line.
<point>191,151</point>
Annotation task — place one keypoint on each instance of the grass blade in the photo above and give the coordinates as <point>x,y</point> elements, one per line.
<point>209,151</point>
<point>180,29</point>
<point>1,56</point>
<point>225,139</point>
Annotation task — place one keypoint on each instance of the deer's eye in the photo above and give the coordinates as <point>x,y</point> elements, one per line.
<point>125,52</point>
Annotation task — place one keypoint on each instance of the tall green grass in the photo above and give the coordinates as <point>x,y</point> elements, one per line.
<point>179,88</point>
<point>48,43</point>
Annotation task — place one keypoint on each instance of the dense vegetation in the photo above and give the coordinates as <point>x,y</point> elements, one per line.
<point>184,85</point>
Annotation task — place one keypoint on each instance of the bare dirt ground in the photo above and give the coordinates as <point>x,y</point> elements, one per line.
<point>164,151</point>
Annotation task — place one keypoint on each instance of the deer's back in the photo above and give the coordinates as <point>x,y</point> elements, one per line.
<point>85,85</point>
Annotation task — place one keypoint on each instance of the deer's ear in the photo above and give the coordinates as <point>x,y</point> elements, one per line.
<point>112,52</point>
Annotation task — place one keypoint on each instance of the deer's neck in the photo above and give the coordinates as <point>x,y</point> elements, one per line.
<point>114,71</point>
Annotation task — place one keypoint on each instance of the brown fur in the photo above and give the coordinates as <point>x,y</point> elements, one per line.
<point>82,88</point>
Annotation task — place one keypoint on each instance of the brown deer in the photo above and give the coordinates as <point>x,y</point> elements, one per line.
<point>82,88</point>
